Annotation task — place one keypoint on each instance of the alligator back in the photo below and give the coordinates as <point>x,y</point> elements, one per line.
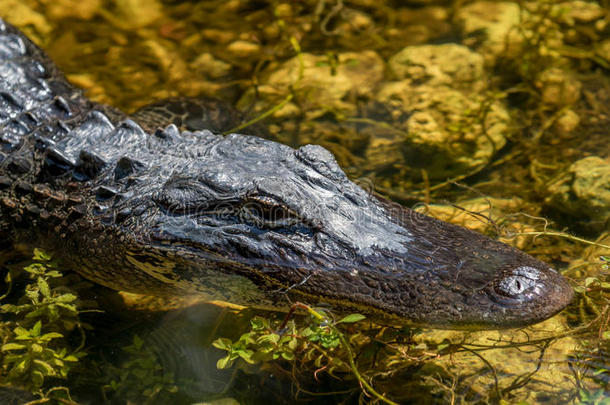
<point>57,149</point>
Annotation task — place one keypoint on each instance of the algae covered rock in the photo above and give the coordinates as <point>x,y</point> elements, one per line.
<point>490,27</point>
<point>584,192</point>
<point>443,118</point>
<point>558,87</point>
<point>319,83</point>
<point>579,11</point>
<point>446,131</point>
<point>445,64</point>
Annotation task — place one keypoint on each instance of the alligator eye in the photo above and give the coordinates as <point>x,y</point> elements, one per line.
<point>181,200</point>
<point>267,213</point>
<point>522,284</point>
<point>183,196</point>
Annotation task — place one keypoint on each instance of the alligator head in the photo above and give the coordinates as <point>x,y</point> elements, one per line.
<point>259,223</point>
<point>238,217</point>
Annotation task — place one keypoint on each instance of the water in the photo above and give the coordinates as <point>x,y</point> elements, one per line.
<point>505,121</point>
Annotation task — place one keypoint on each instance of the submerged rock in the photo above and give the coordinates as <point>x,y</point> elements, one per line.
<point>579,11</point>
<point>558,87</point>
<point>320,83</point>
<point>446,131</point>
<point>490,27</point>
<point>447,64</point>
<point>566,123</point>
<point>584,192</point>
<point>446,123</point>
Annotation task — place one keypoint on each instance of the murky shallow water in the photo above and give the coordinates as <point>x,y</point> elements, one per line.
<point>519,115</point>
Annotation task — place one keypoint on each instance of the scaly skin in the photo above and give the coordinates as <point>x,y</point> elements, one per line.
<point>236,218</point>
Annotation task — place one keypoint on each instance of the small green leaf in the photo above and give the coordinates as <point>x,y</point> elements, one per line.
<point>222,344</point>
<point>246,355</point>
<point>272,338</point>
<point>352,318</point>
<point>37,379</point>
<point>318,361</point>
<point>13,346</point>
<point>258,323</point>
<point>66,298</point>
<point>35,269</point>
<point>35,331</point>
<point>19,331</point>
<point>44,366</point>
<point>137,342</point>
<point>40,255</point>
<point>223,363</point>
<point>43,286</point>
<point>590,280</point>
<point>20,367</point>
<point>51,335</point>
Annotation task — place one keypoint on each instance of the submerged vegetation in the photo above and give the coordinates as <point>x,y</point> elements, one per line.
<point>515,104</point>
<point>43,340</point>
<point>36,350</point>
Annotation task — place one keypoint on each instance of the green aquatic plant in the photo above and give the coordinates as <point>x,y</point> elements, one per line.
<point>319,340</point>
<point>140,378</point>
<point>32,356</point>
<point>41,302</point>
<point>36,345</point>
<point>598,397</point>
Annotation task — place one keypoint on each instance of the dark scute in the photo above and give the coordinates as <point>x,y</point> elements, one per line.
<point>104,193</point>
<point>12,101</point>
<point>16,128</point>
<point>19,165</point>
<point>5,182</point>
<point>44,135</point>
<point>11,46</point>
<point>28,120</point>
<point>60,108</point>
<point>90,164</point>
<point>125,167</point>
<point>123,214</point>
<point>170,133</point>
<point>77,212</point>
<point>57,163</point>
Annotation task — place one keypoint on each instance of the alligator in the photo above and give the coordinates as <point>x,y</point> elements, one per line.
<point>235,217</point>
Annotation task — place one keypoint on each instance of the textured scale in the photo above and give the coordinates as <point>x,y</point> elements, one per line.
<point>137,205</point>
